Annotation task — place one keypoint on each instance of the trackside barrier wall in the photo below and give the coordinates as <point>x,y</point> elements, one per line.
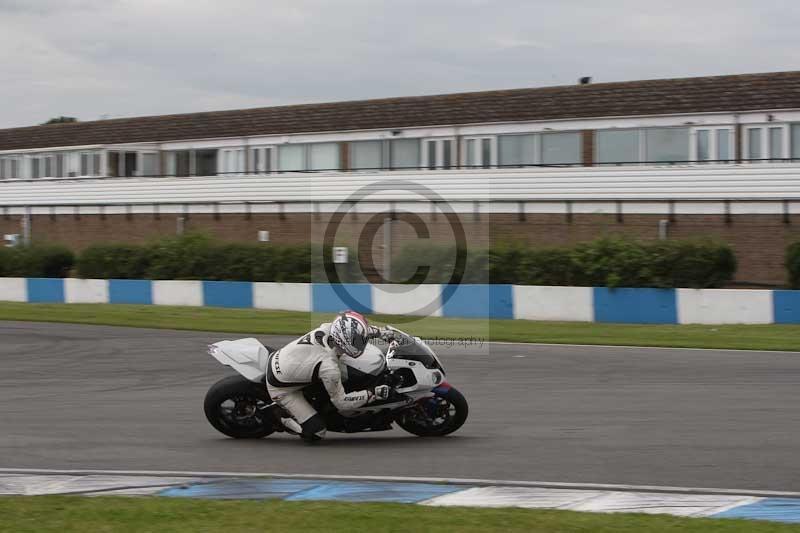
<point>581,304</point>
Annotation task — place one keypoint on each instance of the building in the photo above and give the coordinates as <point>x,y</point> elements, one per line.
<point>666,158</point>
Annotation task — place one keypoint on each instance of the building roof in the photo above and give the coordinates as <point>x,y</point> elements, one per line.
<point>746,92</point>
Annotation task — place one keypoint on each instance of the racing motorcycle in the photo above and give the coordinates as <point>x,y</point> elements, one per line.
<point>422,403</point>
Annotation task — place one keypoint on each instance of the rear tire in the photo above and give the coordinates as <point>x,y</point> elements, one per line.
<point>231,406</point>
<point>415,421</point>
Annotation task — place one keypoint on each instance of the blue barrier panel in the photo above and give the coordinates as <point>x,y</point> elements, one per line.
<point>786,307</point>
<point>635,306</point>
<point>477,301</point>
<point>329,298</point>
<point>228,293</point>
<point>130,291</point>
<point>45,290</point>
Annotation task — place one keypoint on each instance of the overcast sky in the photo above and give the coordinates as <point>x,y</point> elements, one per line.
<point>112,58</point>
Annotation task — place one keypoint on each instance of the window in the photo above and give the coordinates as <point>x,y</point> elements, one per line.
<point>36,167</point>
<point>765,142</point>
<point>129,164</point>
<point>479,152</point>
<point>149,164</point>
<point>323,156</point>
<point>776,143</point>
<point>796,141</point>
<point>291,157</point>
<point>366,155</point>
<point>404,153</point>
<point>438,153</point>
<point>112,162</point>
<point>712,144</point>
<point>666,144</point>
<point>561,148</point>
<point>205,162</point>
<point>618,146</point>
<point>517,149</point>
<point>178,163</point>
<point>262,159</point>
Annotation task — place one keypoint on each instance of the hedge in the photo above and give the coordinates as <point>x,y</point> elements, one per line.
<point>611,262</point>
<point>608,262</point>
<point>793,264</point>
<point>197,256</point>
<point>37,261</point>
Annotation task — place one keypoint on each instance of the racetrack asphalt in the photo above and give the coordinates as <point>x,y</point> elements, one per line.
<point>99,397</point>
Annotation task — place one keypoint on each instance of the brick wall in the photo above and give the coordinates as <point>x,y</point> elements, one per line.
<point>759,240</point>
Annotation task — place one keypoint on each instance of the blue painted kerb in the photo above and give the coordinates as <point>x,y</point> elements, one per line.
<point>635,306</point>
<point>327,298</point>
<point>130,291</point>
<point>228,293</point>
<point>43,290</point>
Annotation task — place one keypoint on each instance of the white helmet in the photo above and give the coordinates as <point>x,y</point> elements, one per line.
<point>349,332</point>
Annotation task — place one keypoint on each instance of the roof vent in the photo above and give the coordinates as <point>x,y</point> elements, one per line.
<point>586,80</point>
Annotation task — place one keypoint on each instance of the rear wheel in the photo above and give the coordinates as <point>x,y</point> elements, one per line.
<point>232,406</point>
<point>437,416</point>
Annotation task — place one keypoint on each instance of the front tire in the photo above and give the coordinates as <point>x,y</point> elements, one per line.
<point>438,416</point>
<point>232,407</point>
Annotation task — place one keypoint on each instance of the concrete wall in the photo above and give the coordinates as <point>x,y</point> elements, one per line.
<point>581,304</point>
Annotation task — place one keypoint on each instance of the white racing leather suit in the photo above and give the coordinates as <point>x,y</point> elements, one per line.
<point>303,361</point>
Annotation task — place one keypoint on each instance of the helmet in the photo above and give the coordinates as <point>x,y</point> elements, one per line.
<point>349,332</point>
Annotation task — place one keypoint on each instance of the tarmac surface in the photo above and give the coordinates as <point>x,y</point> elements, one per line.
<point>96,397</point>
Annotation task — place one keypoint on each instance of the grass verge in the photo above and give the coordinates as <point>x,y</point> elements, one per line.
<point>67,514</point>
<point>254,321</point>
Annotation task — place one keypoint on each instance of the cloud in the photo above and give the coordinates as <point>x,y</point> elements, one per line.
<point>92,58</point>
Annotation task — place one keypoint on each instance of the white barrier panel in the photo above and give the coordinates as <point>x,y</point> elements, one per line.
<point>169,292</point>
<point>724,306</point>
<point>13,290</point>
<point>574,304</point>
<point>284,296</point>
<point>85,291</point>
<point>397,299</point>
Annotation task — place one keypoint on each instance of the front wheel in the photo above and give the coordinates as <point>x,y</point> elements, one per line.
<point>436,416</point>
<point>232,407</point>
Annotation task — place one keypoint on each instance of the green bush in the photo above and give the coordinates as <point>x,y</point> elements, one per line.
<point>197,256</point>
<point>608,262</point>
<point>793,264</point>
<point>113,261</point>
<point>37,261</point>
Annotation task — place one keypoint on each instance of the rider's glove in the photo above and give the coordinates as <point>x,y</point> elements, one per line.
<point>382,392</point>
<point>373,332</point>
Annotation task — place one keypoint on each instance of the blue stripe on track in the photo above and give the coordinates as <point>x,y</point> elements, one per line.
<point>375,492</point>
<point>774,509</point>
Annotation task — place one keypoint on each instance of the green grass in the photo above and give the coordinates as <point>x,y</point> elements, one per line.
<point>755,337</point>
<point>67,514</point>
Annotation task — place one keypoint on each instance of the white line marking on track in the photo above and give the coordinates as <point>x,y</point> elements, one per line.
<point>627,347</point>
<point>402,479</point>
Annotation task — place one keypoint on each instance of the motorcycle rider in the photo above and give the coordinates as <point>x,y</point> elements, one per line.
<point>315,356</point>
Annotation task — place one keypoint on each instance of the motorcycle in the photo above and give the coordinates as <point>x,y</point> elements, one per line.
<point>422,403</point>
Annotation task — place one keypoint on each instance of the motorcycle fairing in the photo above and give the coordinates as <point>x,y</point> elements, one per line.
<point>246,356</point>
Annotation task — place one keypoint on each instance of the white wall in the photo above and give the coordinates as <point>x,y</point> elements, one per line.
<point>168,292</point>
<point>285,296</point>
<point>13,290</point>
<point>85,291</point>
<point>424,300</point>
<point>724,306</point>
<point>553,303</point>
